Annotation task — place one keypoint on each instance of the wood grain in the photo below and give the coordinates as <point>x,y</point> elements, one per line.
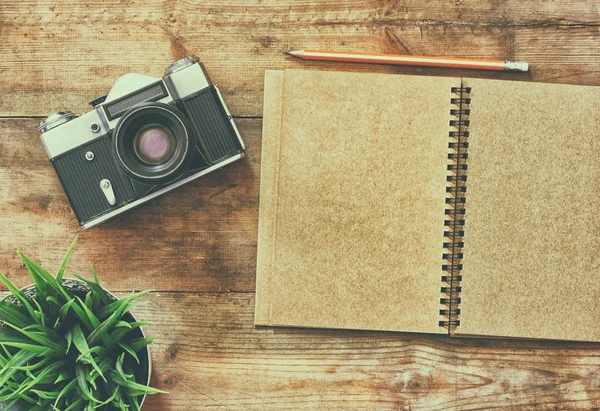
<point>201,236</point>
<point>201,239</point>
<point>95,42</point>
<point>209,355</point>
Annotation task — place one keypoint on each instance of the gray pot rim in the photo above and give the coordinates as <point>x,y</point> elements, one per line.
<point>74,283</point>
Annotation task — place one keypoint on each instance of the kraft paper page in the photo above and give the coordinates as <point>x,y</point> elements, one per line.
<point>531,259</point>
<point>353,189</point>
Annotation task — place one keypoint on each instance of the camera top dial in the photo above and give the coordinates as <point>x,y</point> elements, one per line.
<point>56,119</point>
<point>181,64</point>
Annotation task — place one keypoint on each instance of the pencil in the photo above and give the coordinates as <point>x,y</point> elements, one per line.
<point>409,60</point>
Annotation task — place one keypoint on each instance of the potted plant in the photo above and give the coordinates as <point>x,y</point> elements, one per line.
<point>70,345</point>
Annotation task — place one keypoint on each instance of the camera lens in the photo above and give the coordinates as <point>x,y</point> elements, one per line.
<point>153,143</point>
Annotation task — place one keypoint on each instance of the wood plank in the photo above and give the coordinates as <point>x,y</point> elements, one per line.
<point>60,56</point>
<point>201,236</point>
<point>210,355</point>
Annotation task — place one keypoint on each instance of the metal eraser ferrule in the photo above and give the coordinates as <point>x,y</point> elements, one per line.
<point>516,66</point>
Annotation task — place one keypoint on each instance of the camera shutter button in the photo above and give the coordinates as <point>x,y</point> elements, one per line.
<point>107,189</point>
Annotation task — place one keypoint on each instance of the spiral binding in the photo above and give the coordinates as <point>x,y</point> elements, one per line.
<point>455,213</point>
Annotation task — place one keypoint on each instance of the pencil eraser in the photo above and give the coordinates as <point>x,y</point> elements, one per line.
<point>524,66</point>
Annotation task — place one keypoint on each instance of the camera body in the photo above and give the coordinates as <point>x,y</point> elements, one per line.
<point>146,137</point>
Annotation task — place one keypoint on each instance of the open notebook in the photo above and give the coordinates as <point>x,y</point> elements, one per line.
<point>427,204</point>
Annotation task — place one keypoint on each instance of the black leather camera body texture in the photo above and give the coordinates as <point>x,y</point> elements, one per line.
<point>212,126</point>
<point>81,178</point>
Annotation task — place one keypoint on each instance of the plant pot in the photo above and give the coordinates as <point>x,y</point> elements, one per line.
<point>80,289</point>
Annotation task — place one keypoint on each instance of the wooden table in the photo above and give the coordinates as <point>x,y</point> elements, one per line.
<point>197,246</point>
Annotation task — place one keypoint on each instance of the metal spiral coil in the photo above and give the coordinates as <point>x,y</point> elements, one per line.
<point>456,200</point>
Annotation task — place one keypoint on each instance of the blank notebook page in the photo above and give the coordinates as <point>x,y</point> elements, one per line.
<point>353,188</point>
<point>532,235</point>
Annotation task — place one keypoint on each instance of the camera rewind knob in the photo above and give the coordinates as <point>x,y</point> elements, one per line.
<point>181,64</point>
<point>56,119</point>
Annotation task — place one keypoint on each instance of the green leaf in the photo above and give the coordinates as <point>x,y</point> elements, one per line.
<point>140,343</point>
<point>40,378</point>
<point>82,316</point>
<point>101,329</point>
<point>70,386</point>
<point>40,313</point>
<point>37,270</point>
<point>65,261</point>
<point>80,374</point>
<point>101,351</point>
<point>42,285</point>
<point>96,323</point>
<point>118,334</point>
<point>75,405</point>
<point>7,390</point>
<point>80,343</point>
<point>9,313</point>
<point>97,288</point>
<point>63,375</point>
<point>106,363</point>
<point>123,324</point>
<point>64,309</point>
<point>88,301</point>
<point>119,367</point>
<point>11,367</point>
<point>69,338</point>
<point>46,395</point>
<point>19,295</point>
<point>42,351</point>
<point>115,317</point>
<point>114,306</point>
<point>40,338</point>
<point>115,393</point>
<point>34,366</point>
<point>9,335</point>
<point>53,335</point>
<point>130,351</point>
<point>119,403</point>
<point>94,275</point>
<point>89,376</point>
<point>79,339</point>
<point>135,403</point>
<point>11,404</point>
<point>53,300</point>
<point>133,388</point>
<point>90,315</point>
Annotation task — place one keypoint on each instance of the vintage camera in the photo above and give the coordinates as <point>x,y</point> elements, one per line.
<point>146,137</point>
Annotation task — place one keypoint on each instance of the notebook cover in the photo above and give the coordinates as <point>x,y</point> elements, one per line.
<point>353,189</point>
<point>532,232</point>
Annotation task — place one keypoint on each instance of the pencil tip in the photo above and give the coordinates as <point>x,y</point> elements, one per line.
<point>287,52</point>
